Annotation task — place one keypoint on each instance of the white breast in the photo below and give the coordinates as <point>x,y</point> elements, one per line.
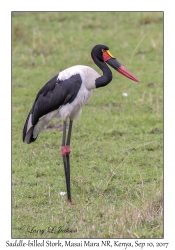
<point>88,75</point>
<point>71,110</point>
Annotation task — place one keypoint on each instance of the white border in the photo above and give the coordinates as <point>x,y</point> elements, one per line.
<point>5,101</point>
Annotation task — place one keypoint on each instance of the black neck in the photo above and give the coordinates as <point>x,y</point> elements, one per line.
<point>107,74</point>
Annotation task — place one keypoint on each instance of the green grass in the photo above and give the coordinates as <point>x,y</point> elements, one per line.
<point>117,144</point>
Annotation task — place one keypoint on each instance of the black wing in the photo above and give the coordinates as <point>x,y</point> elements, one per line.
<point>52,95</point>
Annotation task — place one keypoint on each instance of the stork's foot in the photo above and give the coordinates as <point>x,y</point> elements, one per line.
<point>65,150</point>
<point>70,203</point>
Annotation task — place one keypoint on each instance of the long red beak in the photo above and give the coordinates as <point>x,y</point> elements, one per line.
<point>116,65</point>
<point>126,73</point>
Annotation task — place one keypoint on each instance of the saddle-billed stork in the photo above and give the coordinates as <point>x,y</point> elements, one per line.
<point>65,94</point>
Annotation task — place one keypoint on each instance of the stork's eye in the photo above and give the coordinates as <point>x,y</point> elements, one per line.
<point>103,50</point>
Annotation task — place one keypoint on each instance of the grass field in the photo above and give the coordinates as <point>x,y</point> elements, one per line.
<point>117,144</point>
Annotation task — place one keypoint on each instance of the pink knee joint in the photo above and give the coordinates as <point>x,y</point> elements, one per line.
<point>65,150</point>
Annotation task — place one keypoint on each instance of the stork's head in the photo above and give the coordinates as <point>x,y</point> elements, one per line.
<point>102,53</point>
